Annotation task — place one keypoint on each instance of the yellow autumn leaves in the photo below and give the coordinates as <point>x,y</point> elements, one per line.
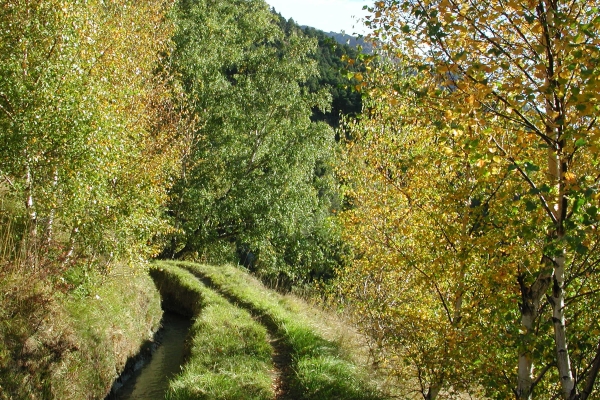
<point>494,186</point>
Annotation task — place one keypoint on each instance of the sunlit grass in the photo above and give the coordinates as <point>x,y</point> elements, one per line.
<point>229,354</point>
<point>57,345</point>
<point>321,368</point>
<point>112,323</point>
<point>60,341</point>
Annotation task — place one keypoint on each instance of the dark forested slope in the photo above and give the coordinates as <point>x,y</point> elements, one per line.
<point>330,54</point>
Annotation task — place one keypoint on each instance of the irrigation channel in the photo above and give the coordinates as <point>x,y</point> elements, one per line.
<point>151,381</point>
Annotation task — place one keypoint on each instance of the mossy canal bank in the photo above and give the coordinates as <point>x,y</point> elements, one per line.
<point>71,344</point>
<point>147,374</point>
<point>246,342</point>
<point>250,342</point>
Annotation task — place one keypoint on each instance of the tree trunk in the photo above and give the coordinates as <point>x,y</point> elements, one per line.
<point>30,204</point>
<point>558,168</point>
<point>525,372</point>
<point>51,214</point>
<point>30,240</point>
<point>591,378</point>
<point>531,297</point>
<point>558,164</point>
<point>557,300</point>
<point>433,392</point>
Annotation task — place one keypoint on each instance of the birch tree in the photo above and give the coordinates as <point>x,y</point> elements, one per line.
<point>515,85</point>
<point>86,125</point>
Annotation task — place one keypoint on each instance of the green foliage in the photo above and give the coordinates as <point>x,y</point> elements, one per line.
<point>249,167</point>
<point>86,150</point>
<point>80,151</point>
<point>332,60</point>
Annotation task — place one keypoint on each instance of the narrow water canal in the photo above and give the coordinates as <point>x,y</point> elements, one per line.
<point>152,380</point>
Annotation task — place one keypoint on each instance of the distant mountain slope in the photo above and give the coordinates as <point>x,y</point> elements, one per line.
<point>333,49</point>
<point>352,41</point>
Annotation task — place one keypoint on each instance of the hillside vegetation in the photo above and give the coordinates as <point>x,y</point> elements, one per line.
<point>71,345</point>
<point>125,134</point>
<point>443,191</point>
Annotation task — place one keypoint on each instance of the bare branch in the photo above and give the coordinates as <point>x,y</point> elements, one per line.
<point>541,375</point>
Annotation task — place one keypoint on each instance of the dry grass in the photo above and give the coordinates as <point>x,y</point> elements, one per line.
<point>337,327</point>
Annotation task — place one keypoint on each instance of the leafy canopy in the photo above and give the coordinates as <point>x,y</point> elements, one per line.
<point>500,98</point>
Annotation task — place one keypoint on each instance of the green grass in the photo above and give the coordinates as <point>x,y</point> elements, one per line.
<point>71,344</point>
<point>229,354</point>
<point>321,368</point>
<point>179,290</point>
<point>66,329</point>
<point>112,322</point>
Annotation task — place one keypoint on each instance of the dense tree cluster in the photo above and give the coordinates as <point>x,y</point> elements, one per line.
<point>331,58</point>
<point>87,129</point>
<point>191,128</point>
<point>250,178</point>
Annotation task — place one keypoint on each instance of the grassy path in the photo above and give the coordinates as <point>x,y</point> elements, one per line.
<point>307,366</point>
<point>282,351</point>
<point>229,356</point>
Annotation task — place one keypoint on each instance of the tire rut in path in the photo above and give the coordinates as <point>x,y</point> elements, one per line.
<point>282,351</point>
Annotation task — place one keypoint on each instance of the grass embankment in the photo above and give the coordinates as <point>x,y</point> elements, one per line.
<point>229,355</point>
<point>320,368</point>
<point>70,343</point>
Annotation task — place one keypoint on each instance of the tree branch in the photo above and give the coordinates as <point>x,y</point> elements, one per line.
<point>541,375</point>
<point>593,375</point>
<point>529,181</point>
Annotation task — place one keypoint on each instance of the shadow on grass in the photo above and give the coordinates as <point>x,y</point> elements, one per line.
<point>317,370</point>
<point>228,351</point>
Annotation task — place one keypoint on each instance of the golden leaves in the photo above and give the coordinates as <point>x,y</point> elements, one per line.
<point>498,86</point>
<point>570,177</point>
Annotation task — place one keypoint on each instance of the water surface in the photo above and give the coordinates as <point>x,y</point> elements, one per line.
<point>152,380</point>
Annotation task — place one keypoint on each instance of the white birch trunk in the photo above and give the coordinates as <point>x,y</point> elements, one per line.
<point>29,248</point>
<point>560,336</point>
<point>557,169</point>
<point>525,371</point>
<point>69,254</point>
<point>30,204</point>
<point>50,224</point>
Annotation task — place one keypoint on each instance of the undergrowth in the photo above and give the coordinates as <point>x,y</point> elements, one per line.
<point>66,332</point>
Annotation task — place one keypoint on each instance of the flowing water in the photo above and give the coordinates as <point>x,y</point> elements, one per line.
<point>152,380</point>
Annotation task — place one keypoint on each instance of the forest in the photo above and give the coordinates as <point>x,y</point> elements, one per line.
<point>440,192</point>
